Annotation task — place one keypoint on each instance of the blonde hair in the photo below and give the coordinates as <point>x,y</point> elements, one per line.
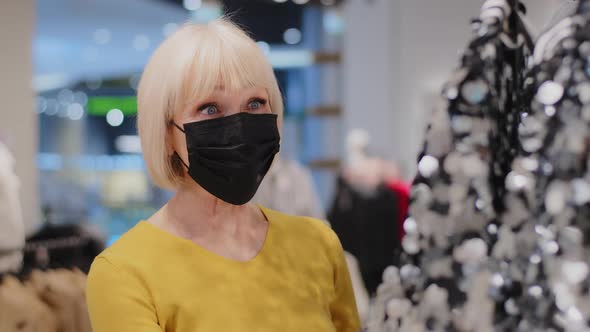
<point>189,65</point>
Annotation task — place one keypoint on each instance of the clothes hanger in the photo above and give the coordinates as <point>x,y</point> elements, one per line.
<point>524,31</point>
<point>498,12</point>
<point>564,29</point>
<point>549,39</point>
<point>521,33</point>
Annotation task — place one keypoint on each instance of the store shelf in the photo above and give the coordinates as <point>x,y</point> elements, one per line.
<point>327,57</point>
<point>325,164</point>
<point>325,111</point>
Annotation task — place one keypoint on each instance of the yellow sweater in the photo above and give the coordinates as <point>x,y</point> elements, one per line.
<point>151,281</point>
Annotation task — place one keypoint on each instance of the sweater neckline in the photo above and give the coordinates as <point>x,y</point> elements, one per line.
<point>217,257</point>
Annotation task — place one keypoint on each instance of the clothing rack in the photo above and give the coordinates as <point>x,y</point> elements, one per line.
<point>62,243</point>
<point>62,246</point>
<point>9,251</point>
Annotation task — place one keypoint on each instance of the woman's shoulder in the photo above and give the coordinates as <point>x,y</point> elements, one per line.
<point>134,248</point>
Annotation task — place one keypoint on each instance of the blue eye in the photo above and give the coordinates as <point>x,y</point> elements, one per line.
<point>255,105</point>
<point>209,110</point>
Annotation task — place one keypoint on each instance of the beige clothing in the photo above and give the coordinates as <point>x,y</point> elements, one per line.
<point>63,291</point>
<point>22,311</point>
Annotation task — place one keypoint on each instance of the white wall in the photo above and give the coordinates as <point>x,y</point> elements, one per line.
<point>397,55</point>
<point>18,120</point>
<point>371,61</point>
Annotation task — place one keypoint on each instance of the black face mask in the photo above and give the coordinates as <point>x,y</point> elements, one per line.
<point>230,156</point>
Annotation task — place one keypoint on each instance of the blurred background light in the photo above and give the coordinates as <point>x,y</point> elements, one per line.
<point>292,36</point>
<point>128,144</point>
<point>52,105</point>
<point>115,117</point>
<point>81,98</point>
<point>44,82</point>
<point>94,84</point>
<point>65,96</point>
<point>333,22</point>
<point>282,59</point>
<point>265,47</point>
<point>75,111</point>
<point>192,4</point>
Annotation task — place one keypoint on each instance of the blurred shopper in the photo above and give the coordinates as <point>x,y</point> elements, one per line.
<point>208,118</point>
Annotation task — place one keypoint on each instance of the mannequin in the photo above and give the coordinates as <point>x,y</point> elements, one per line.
<point>361,170</point>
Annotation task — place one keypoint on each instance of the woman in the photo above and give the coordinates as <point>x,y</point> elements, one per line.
<point>209,112</point>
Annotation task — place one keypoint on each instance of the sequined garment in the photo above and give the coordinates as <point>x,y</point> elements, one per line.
<point>552,177</point>
<point>451,260</point>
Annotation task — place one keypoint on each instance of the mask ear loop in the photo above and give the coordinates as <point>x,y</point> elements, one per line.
<point>176,153</point>
<point>179,128</point>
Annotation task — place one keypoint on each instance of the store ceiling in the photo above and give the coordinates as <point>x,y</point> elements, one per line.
<point>80,39</point>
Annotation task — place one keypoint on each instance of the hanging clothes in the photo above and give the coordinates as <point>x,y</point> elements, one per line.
<point>288,187</point>
<point>64,292</point>
<point>63,246</point>
<point>443,282</point>
<point>22,310</point>
<point>365,222</point>
<point>48,301</point>
<point>549,186</point>
<point>402,192</point>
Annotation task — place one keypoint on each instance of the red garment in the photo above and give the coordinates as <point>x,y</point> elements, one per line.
<point>402,191</point>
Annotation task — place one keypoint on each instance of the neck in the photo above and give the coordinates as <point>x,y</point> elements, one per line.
<point>193,211</point>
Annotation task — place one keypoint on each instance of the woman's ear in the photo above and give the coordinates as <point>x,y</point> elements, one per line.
<point>169,138</point>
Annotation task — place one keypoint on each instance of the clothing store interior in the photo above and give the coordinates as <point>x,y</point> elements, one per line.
<point>445,143</point>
